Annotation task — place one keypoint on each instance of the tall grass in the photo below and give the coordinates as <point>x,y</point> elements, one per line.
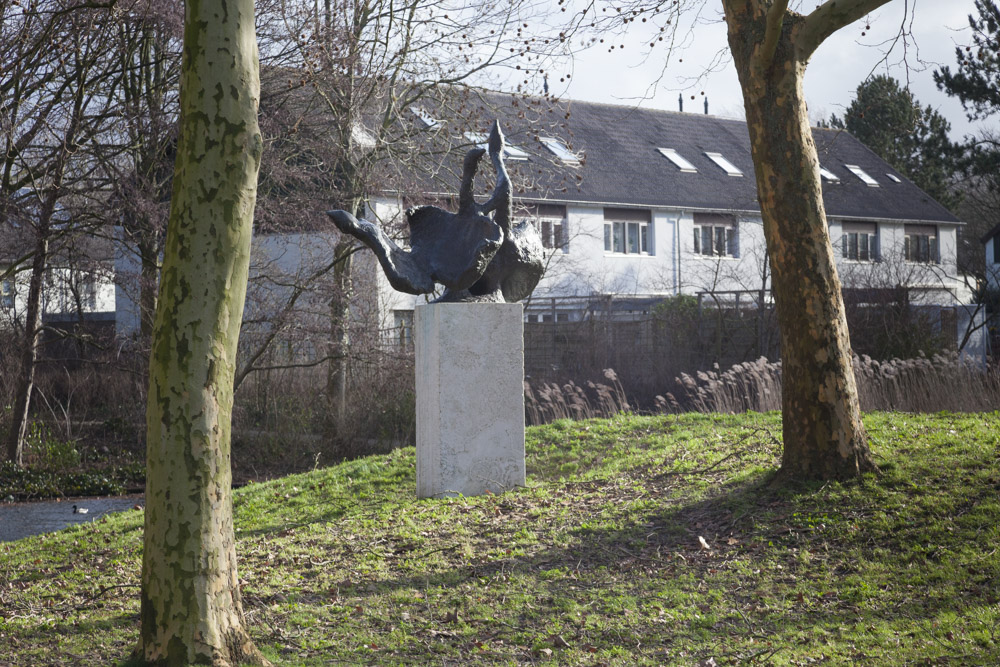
<point>942,382</point>
<point>551,401</point>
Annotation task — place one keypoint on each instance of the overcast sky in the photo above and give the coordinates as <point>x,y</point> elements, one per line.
<point>839,65</point>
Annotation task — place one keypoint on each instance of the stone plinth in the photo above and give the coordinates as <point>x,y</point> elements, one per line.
<point>470,398</point>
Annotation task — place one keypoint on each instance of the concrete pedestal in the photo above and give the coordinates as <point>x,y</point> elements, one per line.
<point>470,398</point>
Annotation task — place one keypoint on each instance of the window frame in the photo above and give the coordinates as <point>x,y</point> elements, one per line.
<point>678,160</point>
<point>862,175</point>
<point>852,248</point>
<point>511,152</point>
<point>8,294</point>
<point>430,122</point>
<point>403,326</point>
<point>552,216</point>
<point>720,160</point>
<point>559,148</point>
<point>720,232</point>
<point>628,233</point>
<point>929,253</point>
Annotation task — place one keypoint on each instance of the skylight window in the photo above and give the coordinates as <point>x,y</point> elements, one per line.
<point>560,150</point>
<point>893,178</point>
<point>510,151</point>
<point>726,165</point>
<point>425,118</point>
<point>860,173</point>
<point>829,175</point>
<point>678,160</point>
<point>362,137</point>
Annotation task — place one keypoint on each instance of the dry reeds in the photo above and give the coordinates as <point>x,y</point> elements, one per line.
<point>552,401</point>
<point>945,381</point>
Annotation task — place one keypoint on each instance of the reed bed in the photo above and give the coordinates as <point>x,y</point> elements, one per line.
<point>943,382</point>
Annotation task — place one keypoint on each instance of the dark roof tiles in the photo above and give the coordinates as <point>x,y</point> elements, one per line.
<point>623,166</point>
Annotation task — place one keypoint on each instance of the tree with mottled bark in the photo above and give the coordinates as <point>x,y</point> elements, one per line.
<point>824,437</point>
<point>771,46</point>
<point>191,611</point>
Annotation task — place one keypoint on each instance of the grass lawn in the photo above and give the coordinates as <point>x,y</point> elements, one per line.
<point>639,540</point>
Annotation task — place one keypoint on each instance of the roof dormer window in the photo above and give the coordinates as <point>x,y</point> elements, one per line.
<point>829,175</point>
<point>726,165</point>
<point>361,137</point>
<point>862,174</point>
<point>893,178</point>
<point>429,121</point>
<point>510,151</point>
<point>679,161</point>
<point>560,150</point>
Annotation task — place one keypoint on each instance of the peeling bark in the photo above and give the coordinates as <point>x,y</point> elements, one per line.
<point>824,437</point>
<point>191,612</point>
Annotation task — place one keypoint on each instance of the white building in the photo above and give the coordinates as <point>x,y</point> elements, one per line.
<point>648,204</point>
<point>658,203</point>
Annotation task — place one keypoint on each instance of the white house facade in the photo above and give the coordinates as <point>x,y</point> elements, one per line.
<point>664,203</point>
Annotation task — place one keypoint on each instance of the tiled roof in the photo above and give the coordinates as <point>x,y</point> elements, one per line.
<point>622,165</point>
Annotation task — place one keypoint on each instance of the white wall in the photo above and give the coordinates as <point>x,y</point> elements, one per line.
<point>63,286</point>
<point>992,267</point>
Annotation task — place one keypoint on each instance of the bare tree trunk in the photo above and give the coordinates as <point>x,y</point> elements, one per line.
<point>29,350</point>
<point>149,278</point>
<point>821,420</point>
<point>191,610</point>
<point>340,337</point>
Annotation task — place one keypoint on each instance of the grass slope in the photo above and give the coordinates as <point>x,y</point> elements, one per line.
<point>638,541</point>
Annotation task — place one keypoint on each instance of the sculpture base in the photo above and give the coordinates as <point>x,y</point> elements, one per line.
<point>470,398</point>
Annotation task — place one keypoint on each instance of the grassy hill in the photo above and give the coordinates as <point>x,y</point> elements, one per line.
<point>638,540</point>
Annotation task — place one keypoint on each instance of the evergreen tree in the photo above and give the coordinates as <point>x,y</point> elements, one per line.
<point>977,84</point>
<point>914,140</point>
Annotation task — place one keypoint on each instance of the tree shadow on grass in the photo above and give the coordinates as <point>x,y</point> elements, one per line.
<point>751,560</point>
<point>52,637</point>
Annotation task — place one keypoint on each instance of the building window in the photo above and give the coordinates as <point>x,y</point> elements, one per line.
<point>862,174</point>
<point>859,242</point>
<point>510,151</point>
<point>724,164</point>
<point>86,292</point>
<point>716,235</point>
<point>560,150</point>
<point>550,222</point>
<point>996,249</point>
<point>429,121</point>
<point>7,293</point>
<point>679,160</point>
<point>828,175</point>
<point>920,244</point>
<point>627,231</point>
<point>403,326</point>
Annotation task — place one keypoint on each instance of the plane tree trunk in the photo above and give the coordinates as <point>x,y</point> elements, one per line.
<point>191,611</point>
<point>824,437</point>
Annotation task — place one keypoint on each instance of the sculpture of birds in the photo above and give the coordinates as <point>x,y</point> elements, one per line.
<point>476,257</point>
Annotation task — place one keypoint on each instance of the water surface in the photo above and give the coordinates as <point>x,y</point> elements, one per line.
<point>18,520</point>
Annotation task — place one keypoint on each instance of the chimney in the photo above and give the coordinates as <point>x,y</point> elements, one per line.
<point>706,105</point>
<point>545,84</point>
<point>680,101</point>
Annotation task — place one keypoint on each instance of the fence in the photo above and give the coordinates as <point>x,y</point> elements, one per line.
<point>651,340</point>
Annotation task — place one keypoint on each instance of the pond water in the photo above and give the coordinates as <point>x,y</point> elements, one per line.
<point>19,520</point>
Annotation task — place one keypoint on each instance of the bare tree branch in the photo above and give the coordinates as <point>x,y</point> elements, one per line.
<point>828,18</point>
